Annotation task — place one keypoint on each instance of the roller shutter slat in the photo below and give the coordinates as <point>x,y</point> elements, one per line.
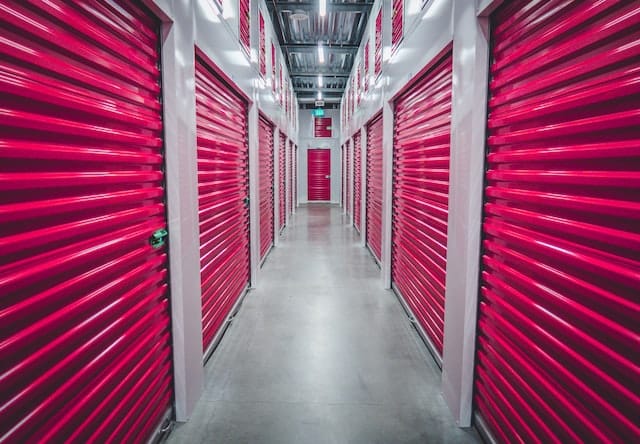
<point>421,196</point>
<point>85,334</point>
<point>266,188</point>
<point>374,186</point>
<point>560,271</point>
<point>357,180</point>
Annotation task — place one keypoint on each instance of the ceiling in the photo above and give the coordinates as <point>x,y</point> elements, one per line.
<point>300,28</point>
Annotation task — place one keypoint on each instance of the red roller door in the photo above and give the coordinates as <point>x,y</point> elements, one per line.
<point>557,357</point>
<point>318,174</point>
<point>348,176</point>
<point>266,191</point>
<point>343,176</point>
<point>85,337</point>
<point>292,154</point>
<point>374,186</point>
<point>223,187</point>
<point>294,188</point>
<point>357,179</point>
<point>282,154</point>
<point>421,196</point>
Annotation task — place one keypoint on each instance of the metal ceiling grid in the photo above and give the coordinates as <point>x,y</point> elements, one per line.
<point>300,28</point>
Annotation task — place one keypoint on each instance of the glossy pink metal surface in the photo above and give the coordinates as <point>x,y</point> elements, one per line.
<point>374,186</point>
<point>274,64</point>
<point>366,65</point>
<point>559,314</point>
<point>397,23</point>
<point>377,54</point>
<point>322,127</point>
<point>357,180</point>
<point>318,174</point>
<point>244,24</point>
<point>290,166</point>
<point>266,187</point>
<point>348,177</point>
<point>421,195</point>
<point>223,187</point>
<point>262,46</point>
<point>294,186</point>
<point>282,189</point>
<point>84,314</point>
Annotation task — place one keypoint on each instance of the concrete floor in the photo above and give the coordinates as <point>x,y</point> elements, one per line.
<point>320,353</point>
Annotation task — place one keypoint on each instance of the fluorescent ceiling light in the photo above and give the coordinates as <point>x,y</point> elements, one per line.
<point>323,8</point>
<point>319,95</point>
<point>320,53</point>
<point>320,81</point>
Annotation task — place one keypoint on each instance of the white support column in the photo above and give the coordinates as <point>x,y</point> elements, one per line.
<point>276,185</point>
<point>363,185</point>
<point>387,190</point>
<point>178,88</point>
<point>254,193</point>
<point>470,70</point>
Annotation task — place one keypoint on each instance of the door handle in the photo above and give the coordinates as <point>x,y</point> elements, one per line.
<point>327,177</point>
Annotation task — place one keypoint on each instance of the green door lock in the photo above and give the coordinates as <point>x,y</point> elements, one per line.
<point>158,238</point>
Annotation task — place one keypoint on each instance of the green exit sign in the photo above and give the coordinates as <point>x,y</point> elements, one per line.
<point>319,112</point>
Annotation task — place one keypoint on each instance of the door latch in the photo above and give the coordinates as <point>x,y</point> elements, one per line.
<point>158,238</point>
<point>246,202</point>
<point>327,177</point>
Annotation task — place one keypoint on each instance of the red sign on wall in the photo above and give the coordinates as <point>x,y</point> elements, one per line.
<point>322,127</point>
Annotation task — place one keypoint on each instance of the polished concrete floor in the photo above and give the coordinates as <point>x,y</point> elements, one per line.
<point>320,353</point>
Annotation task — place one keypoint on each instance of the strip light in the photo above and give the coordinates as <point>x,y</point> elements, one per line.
<point>320,53</point>
<point>323,8</point>
<point>320,81</point>
<point>319,95</point>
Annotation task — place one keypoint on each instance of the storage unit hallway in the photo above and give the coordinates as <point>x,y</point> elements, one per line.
<point>320,353</point>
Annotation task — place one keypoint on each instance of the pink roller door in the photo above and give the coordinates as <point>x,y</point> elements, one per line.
<point>223,190</point>
<point>374,186</point>
<point>282,153</point>
<point>557,356</point>
<point>357,179</point>
<point>292,154</point>
<point>295,176</point>
<point>85,339</point>
<point>421,195</point>
<point>319,174</point>
<point>266,187</point>
<point>349,183</point>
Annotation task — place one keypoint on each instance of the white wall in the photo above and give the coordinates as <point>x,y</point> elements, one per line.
<point>307,141</point>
